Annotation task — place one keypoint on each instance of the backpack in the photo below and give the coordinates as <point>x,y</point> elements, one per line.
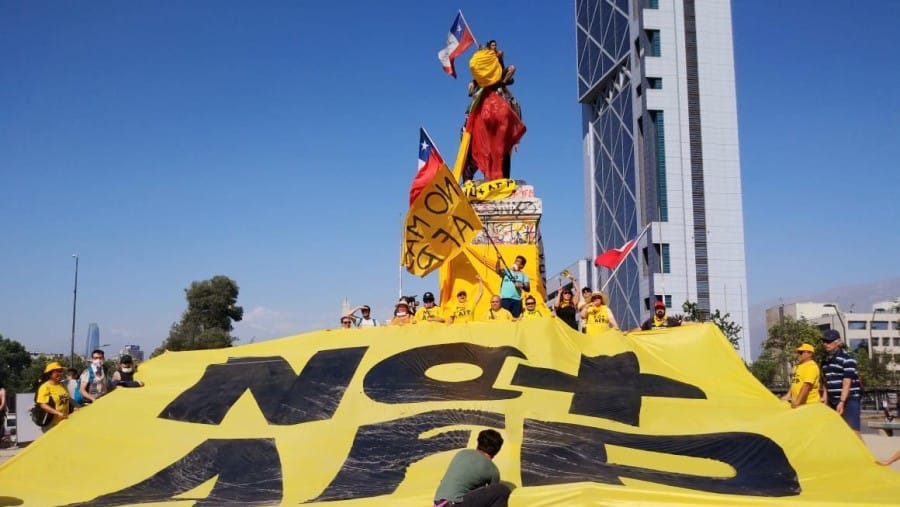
<point>76,396</point>
<point>39,416</point>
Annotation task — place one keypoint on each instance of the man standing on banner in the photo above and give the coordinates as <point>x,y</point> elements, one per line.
<point>513,282</point>
<point>805,381</point>
<point>472,479</point>
<point>841,380</point>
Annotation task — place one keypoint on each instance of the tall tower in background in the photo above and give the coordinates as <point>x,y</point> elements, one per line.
<point>92,342</point>
<point>659,124</point>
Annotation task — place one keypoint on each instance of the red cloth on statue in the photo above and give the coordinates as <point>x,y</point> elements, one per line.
<point>495,129</point>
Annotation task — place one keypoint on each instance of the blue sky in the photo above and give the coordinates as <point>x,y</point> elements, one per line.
<point>275,144</point>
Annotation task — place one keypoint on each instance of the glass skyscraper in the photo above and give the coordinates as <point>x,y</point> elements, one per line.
<point>92,342</point>
<point>659,124</point>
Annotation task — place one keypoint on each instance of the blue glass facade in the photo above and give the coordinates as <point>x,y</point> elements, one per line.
<point>92,342</point>
<point>607,95</point>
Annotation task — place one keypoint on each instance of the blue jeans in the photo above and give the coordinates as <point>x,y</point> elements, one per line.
<point>513,305</point>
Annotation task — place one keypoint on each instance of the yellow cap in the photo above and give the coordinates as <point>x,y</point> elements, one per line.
<point>806,348</point>
<point>53,366</point>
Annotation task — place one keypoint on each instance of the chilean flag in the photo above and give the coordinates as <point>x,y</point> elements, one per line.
<point>612,258</point>
<point>458,40</point>
<point>429,163</point>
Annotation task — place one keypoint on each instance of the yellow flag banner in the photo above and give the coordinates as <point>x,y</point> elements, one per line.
<point>440,222</point>
<point>492,190</point>
<point>373,416</point>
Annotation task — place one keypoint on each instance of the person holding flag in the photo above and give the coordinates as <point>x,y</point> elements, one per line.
<point>513,282</point>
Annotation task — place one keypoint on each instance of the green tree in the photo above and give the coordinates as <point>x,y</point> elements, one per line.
<point>775,362</point>
<point>207,321</point>
<point>14,361</point>
<point>872,370</point>
<point>731,330</point>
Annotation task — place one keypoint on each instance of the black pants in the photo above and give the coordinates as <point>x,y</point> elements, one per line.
<point>495,495</point>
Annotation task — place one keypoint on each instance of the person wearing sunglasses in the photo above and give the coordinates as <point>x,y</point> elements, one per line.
<point>805,381</point>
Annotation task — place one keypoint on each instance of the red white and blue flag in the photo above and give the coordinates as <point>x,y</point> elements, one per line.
<point>612,258</point>
<point>458,40</point>
<point>429,163</point>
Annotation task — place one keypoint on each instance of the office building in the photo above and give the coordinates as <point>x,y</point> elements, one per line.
<point>659,123</point>
<point>877,331</point>
<point>92,342</point>
<point>134,351</point>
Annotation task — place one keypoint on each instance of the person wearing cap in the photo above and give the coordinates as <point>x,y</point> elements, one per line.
<point>364,320</point>
<point>124,374</point>
<point>597,315</point>
<point>465,311</point>
<point>567,304</point>
<point>841,380</point>
<point>659,319</point>
<point>497,312</point>
<point>429,312</point>
<point>52,396</point>
<point>402,316</point>
<point>513,282</point>
<point>805,381</point>
<point>531,311</point>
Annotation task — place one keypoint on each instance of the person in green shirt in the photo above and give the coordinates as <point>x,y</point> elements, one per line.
<point>472,479</point>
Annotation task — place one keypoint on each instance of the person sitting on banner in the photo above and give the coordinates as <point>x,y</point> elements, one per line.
<point>497,312</point>
<point>659,319</point>
<point>429,312</point>
<point>513,282</point>
<point>597,315</point>
<point>566,307</point>
<point>402,316</point>
<point>472,479</point>
<point>464,311</point>
<point>531,311</point>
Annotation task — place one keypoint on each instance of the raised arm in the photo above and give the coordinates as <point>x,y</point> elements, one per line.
<point>480,290</point>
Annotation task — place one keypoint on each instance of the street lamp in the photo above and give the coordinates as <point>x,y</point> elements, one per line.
<point>74,303</point>
<point>840,319</point>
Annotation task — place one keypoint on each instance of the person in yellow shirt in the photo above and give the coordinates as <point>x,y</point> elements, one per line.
<point>52,396</point>
<point>531,311</point>
<point>805,381</point>
<point>497,312</point>
<point>402,315</point>
<point>597,316</point>
<point>429,312</point>
<point>465,311</point>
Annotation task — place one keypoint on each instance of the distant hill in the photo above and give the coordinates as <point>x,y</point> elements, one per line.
<point>861,297</point>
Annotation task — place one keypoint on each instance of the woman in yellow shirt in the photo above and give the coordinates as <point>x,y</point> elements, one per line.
<point>598,316</point>
<point>52,396</point>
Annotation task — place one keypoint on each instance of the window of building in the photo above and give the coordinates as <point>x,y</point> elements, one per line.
<point>662,198</point>
<point>668,299</point>
<point>655,48</point>
<point>879,325</point>
<point>856,324</point>
<point>857,343</point>
<point>896,325</point>
<point>662,253</point>
<point>653,4</point>
<point>654,83</point>
<point>897,342</point>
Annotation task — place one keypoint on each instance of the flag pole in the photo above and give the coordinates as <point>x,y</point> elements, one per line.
<point>400,267</point>
<point>469,27</point>
<point>636,241</point>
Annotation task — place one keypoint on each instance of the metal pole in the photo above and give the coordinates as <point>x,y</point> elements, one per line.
<point>74,303</point>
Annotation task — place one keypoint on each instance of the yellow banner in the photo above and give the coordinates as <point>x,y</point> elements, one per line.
<point>489,190</point>
<point>439,224</point>
<point>373,416</point>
